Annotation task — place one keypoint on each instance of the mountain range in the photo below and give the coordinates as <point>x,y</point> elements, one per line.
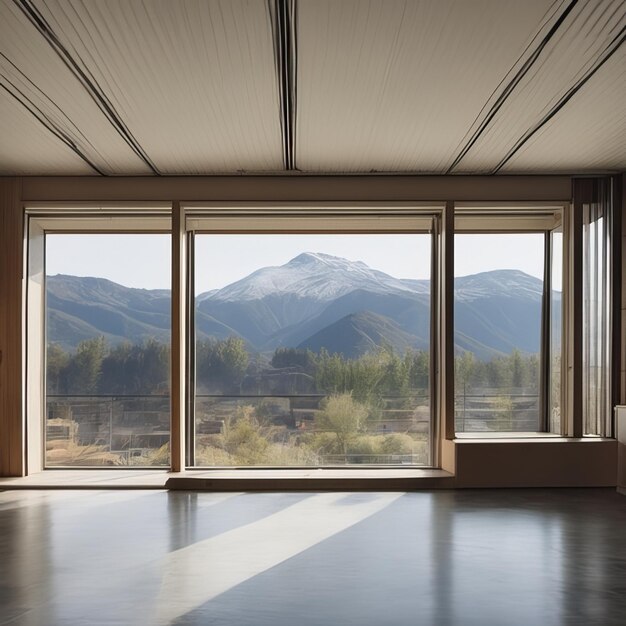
<point>315,300</point>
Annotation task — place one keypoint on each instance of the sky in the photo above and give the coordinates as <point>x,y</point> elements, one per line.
<point>143,261</point>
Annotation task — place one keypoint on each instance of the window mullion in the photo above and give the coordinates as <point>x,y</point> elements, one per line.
<point>545,349</point>
<point>575,403</point>
<point>190,359</point>
<point>178,370</point>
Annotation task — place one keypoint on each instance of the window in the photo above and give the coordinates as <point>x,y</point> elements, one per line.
<point>312,348</point>
<point>507,322</point>
<point>103,341</point>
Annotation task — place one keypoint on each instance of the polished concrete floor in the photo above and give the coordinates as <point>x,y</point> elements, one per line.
<point>531,557</point>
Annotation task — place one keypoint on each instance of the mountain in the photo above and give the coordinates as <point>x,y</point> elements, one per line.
<point>282,306</point>
<point>410,311</point>
<point>498,311</point>
<point>358,333</point>
<point>82,308</point>
<point>312,299</point>
<point>262,306</point>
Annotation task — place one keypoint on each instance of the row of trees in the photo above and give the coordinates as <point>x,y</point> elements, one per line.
<point>137,369</point>
<point>221,366</point>
<point>95,368</point>
<point>515,370</point>
<point>373,375</point>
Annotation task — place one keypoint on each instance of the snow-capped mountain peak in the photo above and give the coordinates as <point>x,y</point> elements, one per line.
<point>315,275</point>
<point>328,260</point>
<point>502,283</point>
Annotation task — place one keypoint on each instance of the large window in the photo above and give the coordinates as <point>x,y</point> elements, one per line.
<point>312,349</point>
<point>312,336</point>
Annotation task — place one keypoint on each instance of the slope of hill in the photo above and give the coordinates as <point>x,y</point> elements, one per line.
<point>82,308</point>
<point>410,311</point>
<point>358,333</point>
<point>498,311</point>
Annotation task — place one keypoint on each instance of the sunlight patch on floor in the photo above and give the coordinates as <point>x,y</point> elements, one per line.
<point>197,573</point>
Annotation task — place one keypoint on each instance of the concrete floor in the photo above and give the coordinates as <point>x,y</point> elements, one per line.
<point>532,557</point>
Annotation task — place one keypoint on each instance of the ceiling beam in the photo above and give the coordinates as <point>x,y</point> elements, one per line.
<point>284,16</point>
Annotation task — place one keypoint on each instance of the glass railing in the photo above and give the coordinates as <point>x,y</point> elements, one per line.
<point>107,430</point>
<point>251,431</point>
<point>311,430</point>
<point>496,410</point>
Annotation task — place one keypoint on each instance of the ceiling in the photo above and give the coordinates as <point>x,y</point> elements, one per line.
<point>196,87</point>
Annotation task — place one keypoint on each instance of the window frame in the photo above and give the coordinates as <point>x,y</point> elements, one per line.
<point>46,219</point>
<point>528,218</point>
<point>304,218</point>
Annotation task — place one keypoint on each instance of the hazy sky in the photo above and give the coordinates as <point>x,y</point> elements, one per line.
<point>480,253</point>
<point>144,260</point>
<point>236,256</point>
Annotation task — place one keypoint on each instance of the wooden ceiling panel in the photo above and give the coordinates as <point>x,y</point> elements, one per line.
<point>27,147</point>
<point>32,74</point>
<point>587,35</point>
<point>589,132</point>
<point>386,85</point>
<point>196,87</point>
<point>195,82</point>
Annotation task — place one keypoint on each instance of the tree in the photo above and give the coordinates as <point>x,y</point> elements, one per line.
<point>83,370</point>
<point>56,363</point>
<point>344,416</point>
<point>418,363</point>
<point>221,364</point>
<point>517,369</point>
<point>293,357</point>
<point>464,368</point>
<point>136,369</point>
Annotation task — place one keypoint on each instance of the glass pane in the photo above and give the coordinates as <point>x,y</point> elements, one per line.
<point>596,322</point>
<point>554,385</point>
<point>108,349</point>
<point>312,349</point>
<point>497,329</point>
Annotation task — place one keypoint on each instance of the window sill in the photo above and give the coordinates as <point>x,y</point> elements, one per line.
<point>505,435</point>
<point>495,438</point>
<point>95,478</point>
<point>311,479</point>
